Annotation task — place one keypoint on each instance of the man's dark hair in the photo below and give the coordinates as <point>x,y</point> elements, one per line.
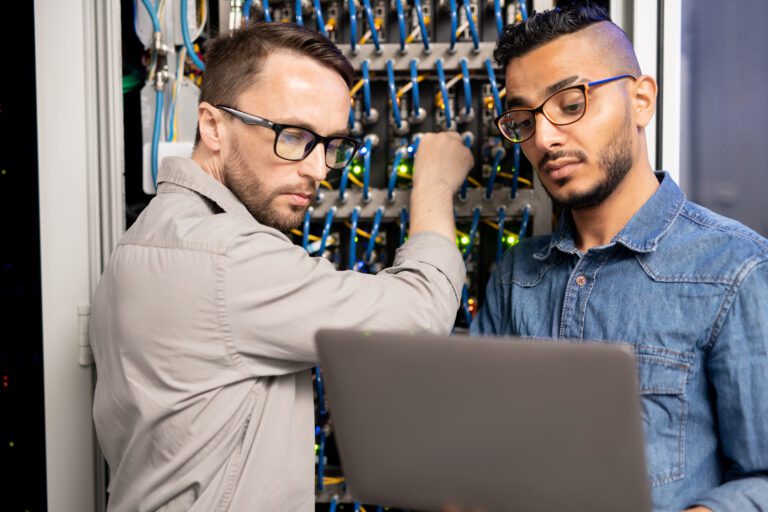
<point>542,27</point>
<point>233,61</point>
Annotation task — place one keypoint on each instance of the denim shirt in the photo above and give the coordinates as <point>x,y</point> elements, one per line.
<point>688,289</point>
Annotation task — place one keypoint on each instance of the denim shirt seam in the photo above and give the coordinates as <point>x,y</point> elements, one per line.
<point>649,245</point>
<point>748,235</point>
<point>703,279</point>
<point>583,312</point>
<point>568,299</point>
<point>509,278</point>
<point>730,295</point>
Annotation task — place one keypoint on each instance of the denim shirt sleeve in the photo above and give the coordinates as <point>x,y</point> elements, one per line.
<point>738,370</point>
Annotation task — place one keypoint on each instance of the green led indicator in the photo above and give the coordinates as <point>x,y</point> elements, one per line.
<point>357,169</point>
<point>11,444</point>
<point>464,240</point>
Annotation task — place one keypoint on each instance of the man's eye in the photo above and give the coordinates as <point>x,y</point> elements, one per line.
<point>572,108</point>
<point>524,124</point>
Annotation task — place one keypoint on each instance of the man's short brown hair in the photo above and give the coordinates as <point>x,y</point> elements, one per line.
<point>233,61</point>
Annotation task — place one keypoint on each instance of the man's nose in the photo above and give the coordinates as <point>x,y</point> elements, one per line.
<point>547,135</point>
<point>314,165</point>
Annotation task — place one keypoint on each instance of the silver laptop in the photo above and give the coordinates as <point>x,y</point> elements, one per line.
<point>491,424</point>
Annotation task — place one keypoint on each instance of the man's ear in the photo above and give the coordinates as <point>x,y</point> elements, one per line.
<point>210,122</point>
<point>645,89</point>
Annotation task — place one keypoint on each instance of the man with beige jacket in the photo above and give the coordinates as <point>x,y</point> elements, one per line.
<point>203,323</point>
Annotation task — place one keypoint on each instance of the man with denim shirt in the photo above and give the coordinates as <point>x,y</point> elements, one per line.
<point>633,261</point>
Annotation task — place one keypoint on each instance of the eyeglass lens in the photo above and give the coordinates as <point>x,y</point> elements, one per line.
<point>295,144</point>
<point>565,107</point>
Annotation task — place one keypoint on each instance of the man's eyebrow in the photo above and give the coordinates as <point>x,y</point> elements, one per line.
<point>302,124</point>
<point>552,89</point>
<point>519,101</point>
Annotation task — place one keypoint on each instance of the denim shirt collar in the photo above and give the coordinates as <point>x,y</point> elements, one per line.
<point>643,231</point>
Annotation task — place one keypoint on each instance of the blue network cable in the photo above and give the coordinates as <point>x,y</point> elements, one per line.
<point>422,25</point>
<point>353,238</point>
<point>374,234</point>
<point>523,10</point>
<point>357,506</point>
<point>494,87</point>
<point>465,304</point>
<point>454,25</point>
<point>472,26</point>
<point>444,92</point>
<point>393,175</point>
<point>467,86</point>
<point>326,229</point>
<point>371,24</point>
<point>159,95</point>
<point>171,113</point>
<point>516,171</point>
<point>299,14</point>
<point>393,94</point>
<point>414,147</point>
<point>472,232</point>
<point>353,27</point>
<point>524,222</point>
<point>247,10</point>
<point>135,19</point>
<point>343,184</point>
<point>319,18</point>
<point>497,156</point>
<point>366,86</point>
<point>465,186</point>
<point>305,230</point>
<point>499,17</point>
<point>366,152</point>
<point>320,461</point>
<point>320,384</point>
<point>152,14</point>
<point>187,40</point>
<point>415,103</point>
<point>267,14</point>
<point>351,122</point>
<point>334,499</point>
<point>401,24</point>
<point>403,224</point>
<point>500,238</point>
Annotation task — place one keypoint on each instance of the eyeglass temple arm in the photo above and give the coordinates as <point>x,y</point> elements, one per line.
<point>247,118</point>
<point>611,79</point>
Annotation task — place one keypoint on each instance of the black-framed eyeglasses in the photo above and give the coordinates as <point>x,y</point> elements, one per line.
<point>566,106</point>
<point>295,143</point>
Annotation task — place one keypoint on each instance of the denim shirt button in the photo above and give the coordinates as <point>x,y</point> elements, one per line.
<point>581,280</point>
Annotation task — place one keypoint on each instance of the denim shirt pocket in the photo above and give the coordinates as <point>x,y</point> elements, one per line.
<point>662,376</point>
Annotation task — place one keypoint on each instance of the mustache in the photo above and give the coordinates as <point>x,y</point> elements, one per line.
<point>557,155</point>
<point>305,189</point>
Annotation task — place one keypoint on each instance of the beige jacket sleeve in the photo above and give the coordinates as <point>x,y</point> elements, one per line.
<point>274,297</point>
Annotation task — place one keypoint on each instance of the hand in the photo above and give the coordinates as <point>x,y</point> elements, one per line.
<point>442,162</point>
<point>697,509</point>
